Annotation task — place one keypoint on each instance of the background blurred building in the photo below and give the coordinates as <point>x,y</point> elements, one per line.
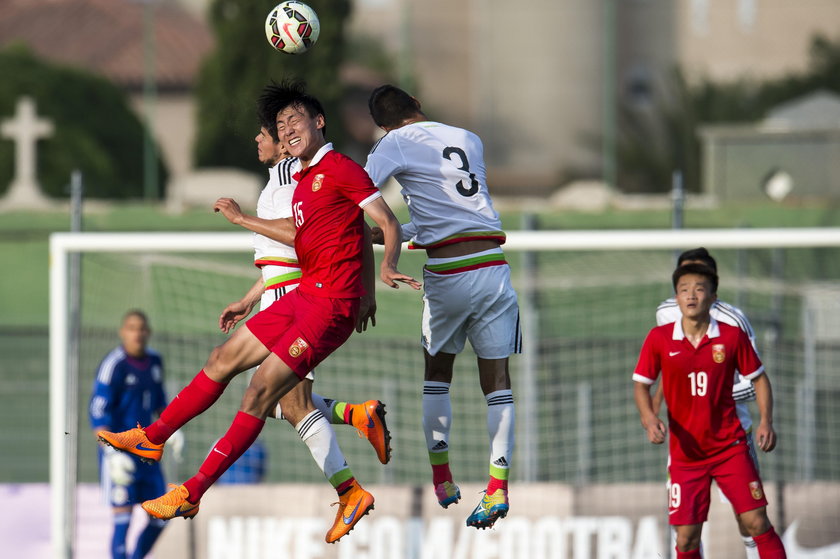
<point>539,80</point>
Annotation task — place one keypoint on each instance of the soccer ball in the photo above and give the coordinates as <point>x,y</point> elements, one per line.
<point>292,27</point>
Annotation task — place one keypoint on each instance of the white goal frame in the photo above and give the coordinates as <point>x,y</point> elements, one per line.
<point>63,440</point>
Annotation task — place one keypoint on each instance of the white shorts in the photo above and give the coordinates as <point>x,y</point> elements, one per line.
<point>268,298</point>
<point>479,304</point>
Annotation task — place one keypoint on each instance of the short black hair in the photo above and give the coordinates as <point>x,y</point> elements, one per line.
<point>135,312</point>
<point>700,254</point>
<point>390,106</point>
<point>276,97</point>
<point>700,270</point>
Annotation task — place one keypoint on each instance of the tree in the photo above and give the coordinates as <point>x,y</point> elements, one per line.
<point>233,76</point>
<point>95,130</point>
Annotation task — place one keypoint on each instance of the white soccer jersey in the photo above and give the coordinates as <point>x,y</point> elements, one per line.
<point>441,171</point>
<point>742,391</point>
<point>278,262</point>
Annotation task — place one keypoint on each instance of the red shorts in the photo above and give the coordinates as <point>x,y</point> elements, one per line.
<point>303,330</point>
<point>734,472</point>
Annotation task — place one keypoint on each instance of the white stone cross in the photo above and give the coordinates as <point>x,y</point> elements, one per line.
<point>25,129</point>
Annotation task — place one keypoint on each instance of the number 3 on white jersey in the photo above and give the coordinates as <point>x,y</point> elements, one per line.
<point>297,210</point>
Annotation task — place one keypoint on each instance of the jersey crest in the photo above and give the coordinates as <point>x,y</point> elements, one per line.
<point>298,347</point>
<point>718,353</point>
<point>317,181</point>
<point>755,490</point>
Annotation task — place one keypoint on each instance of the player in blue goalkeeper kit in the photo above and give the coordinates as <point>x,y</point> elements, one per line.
<point>128,390</point>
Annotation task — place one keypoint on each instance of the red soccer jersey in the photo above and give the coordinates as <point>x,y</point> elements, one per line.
<point>697,383</point>
<point>327,208</point>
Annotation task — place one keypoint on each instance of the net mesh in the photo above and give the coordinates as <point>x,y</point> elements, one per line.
<point>588,314</point>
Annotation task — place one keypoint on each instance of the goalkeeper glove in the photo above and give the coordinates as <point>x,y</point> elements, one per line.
<point>120,467</point>
<point>175,443</point>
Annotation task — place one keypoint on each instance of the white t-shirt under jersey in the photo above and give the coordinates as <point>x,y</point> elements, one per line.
<point>277,261</point>
<point>444,183</point>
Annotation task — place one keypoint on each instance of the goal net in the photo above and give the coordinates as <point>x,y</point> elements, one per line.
<point>587,300</point>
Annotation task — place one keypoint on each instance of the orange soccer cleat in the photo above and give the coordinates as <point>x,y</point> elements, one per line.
<point>172,504</point>
<point>352,506</point>
<point>133,441</point>
<point>369,419</point>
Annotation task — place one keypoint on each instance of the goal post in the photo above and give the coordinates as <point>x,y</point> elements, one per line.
<point>569,429</point>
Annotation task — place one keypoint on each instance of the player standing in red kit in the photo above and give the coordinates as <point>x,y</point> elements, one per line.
<point>293,335</point>
<point>697,357</point>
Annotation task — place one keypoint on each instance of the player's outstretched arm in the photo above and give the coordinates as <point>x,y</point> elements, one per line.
<point>652,424</point>
<point>240,309</point>
<point>382,215</point>
<point>765,436</point>
<point>281,230</point>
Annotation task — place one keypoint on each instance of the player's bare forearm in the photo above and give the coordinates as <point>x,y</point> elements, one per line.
<point>382,215</point>
<point>281,230</point>
<point>765,435</point>
<point>652,425</point>
<point>658,397</point>
<point>236,311</point>
<point>367,309</point>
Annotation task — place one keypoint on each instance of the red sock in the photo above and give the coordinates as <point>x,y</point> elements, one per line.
<point>496,483</point>
<point>441,473</point>
<point>242,433</point>
<point>769,545</point>
<point>345,486</point>
<point>193,400</point>
<point>693,554</point>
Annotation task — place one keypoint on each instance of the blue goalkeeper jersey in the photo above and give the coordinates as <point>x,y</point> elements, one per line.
<point>127,391</point>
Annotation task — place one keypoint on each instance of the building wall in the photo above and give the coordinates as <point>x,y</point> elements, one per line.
<point>532,77</point>
<point>724,39</point>
<point>527,77</point>
<point>173,119</point>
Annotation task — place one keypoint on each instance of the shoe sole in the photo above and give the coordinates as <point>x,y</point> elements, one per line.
<point>144,459</point>
<point>454,500</point>
<point>380,412</point>
<point>483,524</point>
<point>184,516</point>
<point>364,514</point>
<point>447,504</point>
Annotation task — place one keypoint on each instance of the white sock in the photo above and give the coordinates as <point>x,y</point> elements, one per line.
<point>437,415</point>
<point>750,547</point>
<point>318,434</point>
<point>500,427</point>
<point>324,405</point>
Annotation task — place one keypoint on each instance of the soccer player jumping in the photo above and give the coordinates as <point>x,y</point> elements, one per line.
<point>301,329</point>
<point>698,356</point>
<point>467,281</point>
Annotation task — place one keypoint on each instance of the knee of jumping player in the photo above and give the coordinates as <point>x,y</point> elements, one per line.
<point>297,403</point>
<point>217,367</point>
<point>259,400</point>
<point>754,522</point>
<point>493,375</point>
<point>439,366</point>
